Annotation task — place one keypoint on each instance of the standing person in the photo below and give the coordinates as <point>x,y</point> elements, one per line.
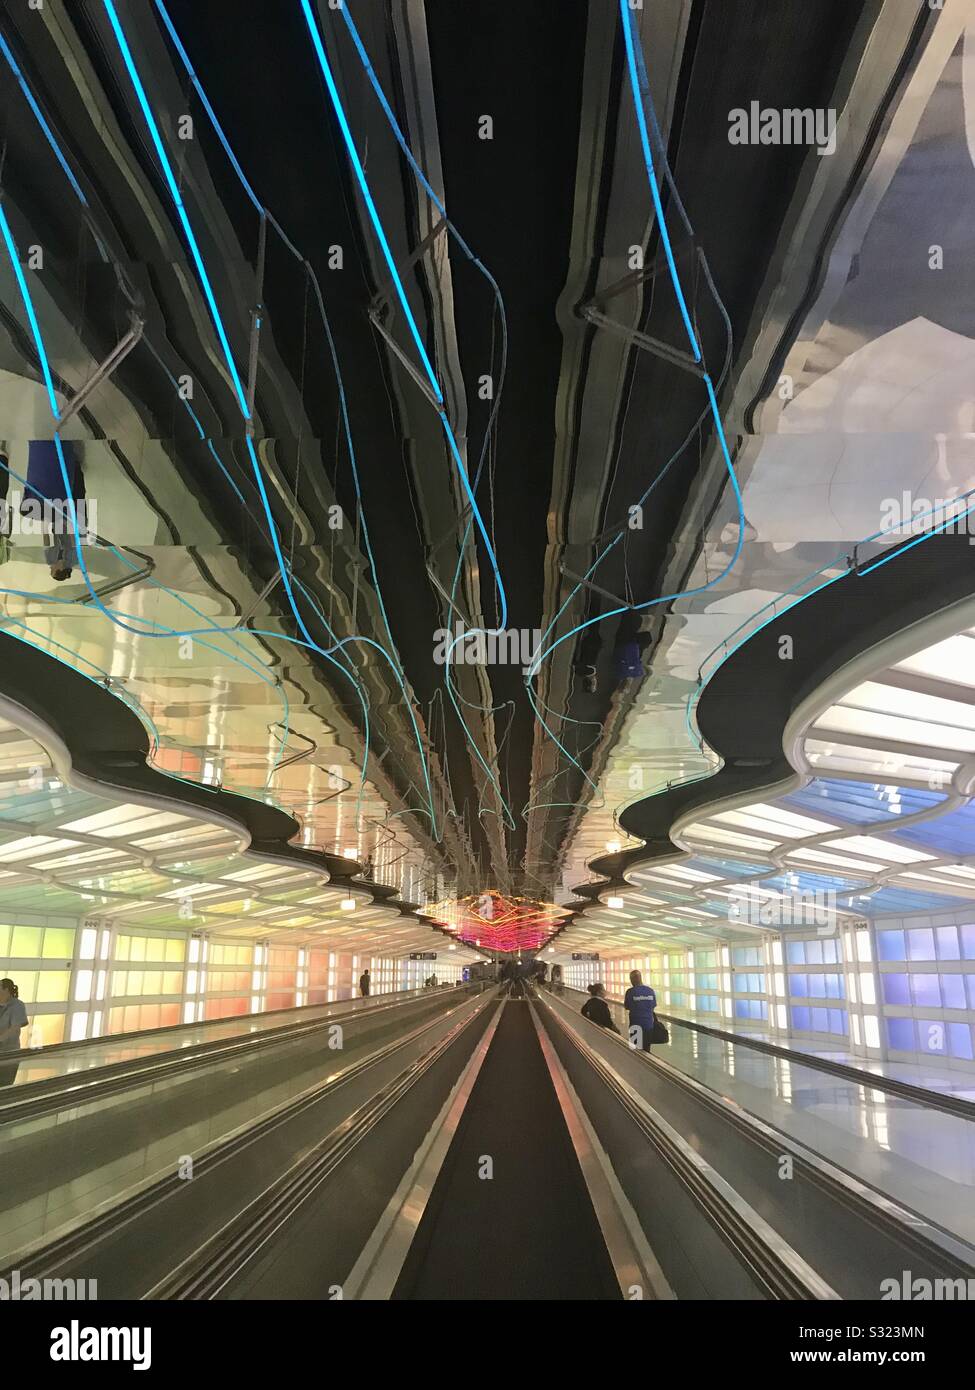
<point>597,1010</point>
<point>46,497</point>
<point>13,1017</point>
<point>640,1001</point>
<point>364,984</point>
<point>557,987</point>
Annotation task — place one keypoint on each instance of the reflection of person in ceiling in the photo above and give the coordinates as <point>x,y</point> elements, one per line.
<point>46,500</point>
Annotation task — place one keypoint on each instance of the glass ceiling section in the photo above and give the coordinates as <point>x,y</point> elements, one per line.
<point>182,631</point>
<point>75,853</point>
<point>860,803</point>
<point>843,840</point>
<point>810,478</point>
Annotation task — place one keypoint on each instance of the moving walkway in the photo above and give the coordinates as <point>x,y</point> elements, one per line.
<point>499,1148</point>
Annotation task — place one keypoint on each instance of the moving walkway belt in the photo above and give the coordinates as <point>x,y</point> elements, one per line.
<point>47,1097</point>
<point>510,1216</point>
<point>858,1229</point>
<point>877,1081</point>
<point>96,1239</point>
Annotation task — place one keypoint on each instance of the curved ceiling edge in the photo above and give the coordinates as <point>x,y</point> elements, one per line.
<point>749,706</point>
<point>106,746</point>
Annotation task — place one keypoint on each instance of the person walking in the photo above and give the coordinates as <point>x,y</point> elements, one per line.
<point>13,1018</point>
<point>640,1002</point>
<point>597,1010</point>
<point>46,500</point>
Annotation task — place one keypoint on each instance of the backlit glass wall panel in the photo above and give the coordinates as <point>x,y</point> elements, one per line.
<point>227,979</point>
<point>926,972</point>
<point>37,956</point>
<point>146,981</point>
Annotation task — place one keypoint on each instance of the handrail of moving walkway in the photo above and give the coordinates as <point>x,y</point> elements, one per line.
<point>83,1088</point>
<point>909,1228</point>
<point>778,1269</point>
<point>43,1259</point>
<point>906,1090</point>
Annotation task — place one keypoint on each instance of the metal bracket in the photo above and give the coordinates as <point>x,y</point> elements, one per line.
<point>257,314</point>
<point>587,583</point>
<point>382,305</point>
<point>245,618</point>
<point>593,312</point>
<point>102,373</point>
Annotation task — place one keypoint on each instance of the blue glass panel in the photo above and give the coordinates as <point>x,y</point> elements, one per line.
<point>946,939</point>
<point>950,833</point>
<point>798,985</point>
<point>890,945</point>
<point>800,1017</point>
<point>837,1021</point>
<point>932,1035</point>
<point>927,991</point>
<point>960,1040</point>
<point>953,991</point>
<point>900,1034</point>
<point>795,952</point>
<point>899,900</point>
<point>834,986</point>
<point>967,936</point>
<point>920,943</point>
<point>971,990</point>
<point>896,989</point>
<point>723,868</point>
<point>744,955</point>
<point>820,1020</point>
<point>859,803</point>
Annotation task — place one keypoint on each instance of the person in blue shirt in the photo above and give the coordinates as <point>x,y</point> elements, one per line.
<point>13,1017</point>
<point>640,1001</point>
<point>46,498</point>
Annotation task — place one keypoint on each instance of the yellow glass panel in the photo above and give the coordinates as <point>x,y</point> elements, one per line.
<point>26,942</point>
<point>59,943</point>
<point>172,982</point>
<point>134,983</point>
<point>151,982</point>
<point>122,944</point>
<point>45,1030</point>
<point>138,948</point>
<point>26,982</point>
<point>4,940</point>
<point>52,986</point>
<point>175,949</point>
